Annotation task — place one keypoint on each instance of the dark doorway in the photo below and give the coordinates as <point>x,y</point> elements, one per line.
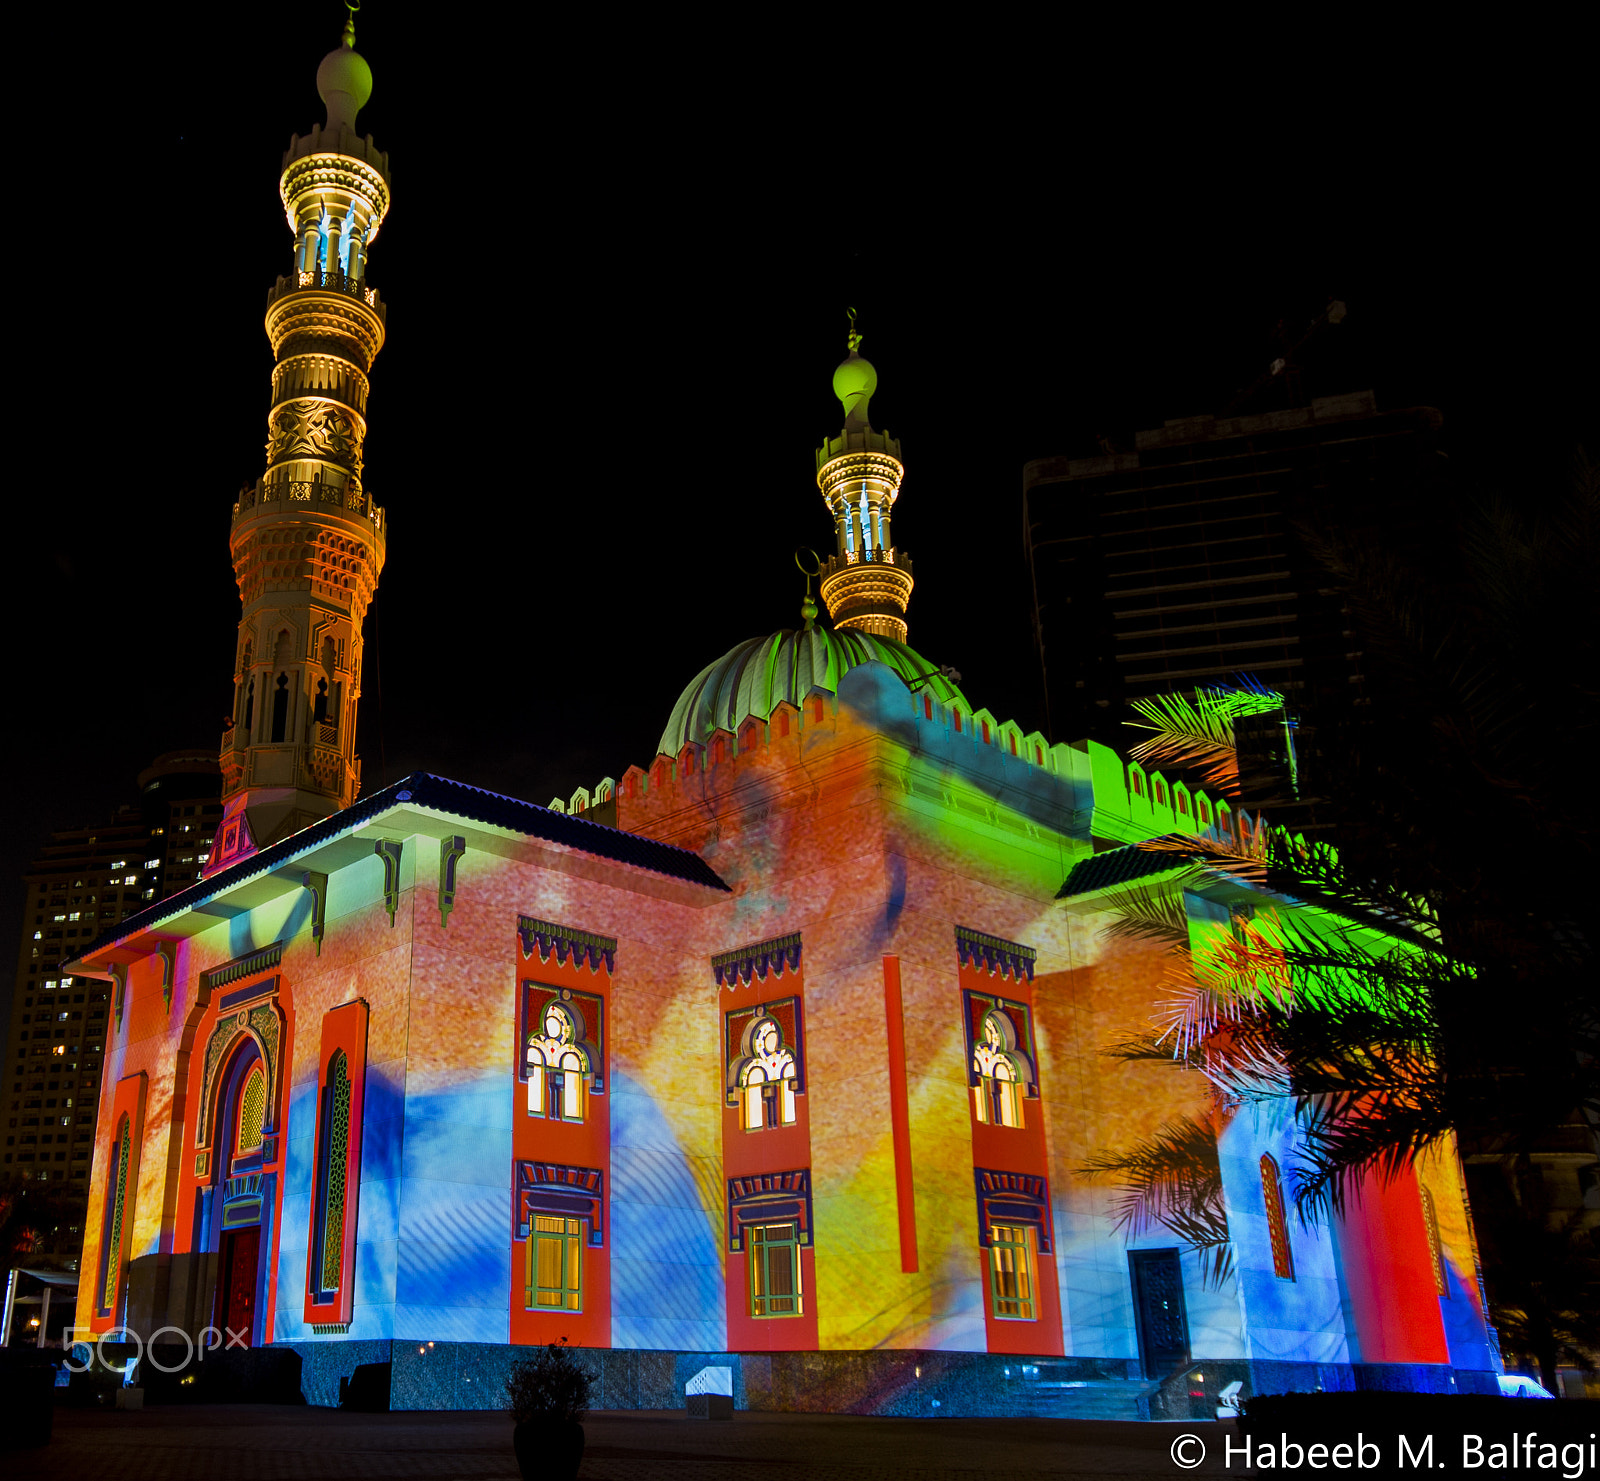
<point>241,1249</point>
<point>1158,1300</point>
<point>280,709</point>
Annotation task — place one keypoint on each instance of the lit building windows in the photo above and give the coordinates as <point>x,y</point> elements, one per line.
<point>764,1075</point>
<point>558,1064</point>
<point>555,1264</point>
<point>1277,1223</point>
<point>1002,1073</point>
<point>774,1270</point>
<point>1011,1275</point>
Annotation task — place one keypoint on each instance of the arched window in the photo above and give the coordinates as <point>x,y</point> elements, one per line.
<point>1203,811</point>
<point>1430,1221</point>
<point>280,708</point>
<point>764,1076</point>
<point>955,715</point>
<point>1160,788</point>
<point>320,712</point>
<point>986,732</point>
<point>1136,781</point>
<point>250,705</point>
<point>252,1112</point>
<point>115,1216</point>
<point>1003,1077</point>
<point>927,706</point>
<point>559,1066</point>
<point>1277,1224</point>
<point>783,722</point>
<point>1180,800</point>
<point>333,1160</point>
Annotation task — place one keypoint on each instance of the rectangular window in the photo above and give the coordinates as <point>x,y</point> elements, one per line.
<point>555,1264</point>
<point>774,1270</point>
<point>1011,1271</point>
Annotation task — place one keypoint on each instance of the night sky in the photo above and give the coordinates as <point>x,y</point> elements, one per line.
<point>617,268</point>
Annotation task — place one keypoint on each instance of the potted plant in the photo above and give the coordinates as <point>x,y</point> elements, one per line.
<point>548,1395</point>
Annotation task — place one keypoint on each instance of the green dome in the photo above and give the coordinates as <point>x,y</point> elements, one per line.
<point>752,678</point>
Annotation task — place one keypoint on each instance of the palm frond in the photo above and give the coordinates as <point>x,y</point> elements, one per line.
<point>1145,913</point>
<point>1173,1180</point>
<point>1198,737</point>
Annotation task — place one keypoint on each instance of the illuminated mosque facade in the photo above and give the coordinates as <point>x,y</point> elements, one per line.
<point>790,1065</point>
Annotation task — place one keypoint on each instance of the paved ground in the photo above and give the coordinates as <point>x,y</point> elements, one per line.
<point>265,1443</point>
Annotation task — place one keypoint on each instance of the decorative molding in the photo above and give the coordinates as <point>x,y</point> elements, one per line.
<point>550,1188</point>
<point>262,1024</point>
<point>995,953</point>
<point>168,952</point>
<point>766,1196</point>
<point>976,1006</point>
<point>740,965</point>
<point>318,885</point>
<point>450,851</point>
<point>330,1329</point>
<point>565,941</point>
<point>258,961</point>
<point>266,988</point>
<point>389,850</point>
<point>1012,1198</point>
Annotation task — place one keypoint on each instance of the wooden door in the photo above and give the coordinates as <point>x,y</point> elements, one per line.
<point>241,1249</point>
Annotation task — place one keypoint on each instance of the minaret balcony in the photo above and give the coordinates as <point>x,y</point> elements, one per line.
<point>306,495</point>
<point>317,281</point>
<point>890,557</point>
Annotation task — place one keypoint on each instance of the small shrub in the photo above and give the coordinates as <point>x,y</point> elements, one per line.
<point>552,1384</point>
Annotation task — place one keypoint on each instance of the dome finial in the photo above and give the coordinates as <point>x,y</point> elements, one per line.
<point>808,607</point>
<point>349,37</point>
<point>852,340</point>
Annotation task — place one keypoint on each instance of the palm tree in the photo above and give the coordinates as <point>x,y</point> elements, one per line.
<point>1459,995</point>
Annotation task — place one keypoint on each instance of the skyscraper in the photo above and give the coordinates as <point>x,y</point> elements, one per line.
<point>1183,562</point>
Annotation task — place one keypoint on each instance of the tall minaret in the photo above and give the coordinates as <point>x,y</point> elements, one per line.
<point>867,582</point>
<point>307,540</point>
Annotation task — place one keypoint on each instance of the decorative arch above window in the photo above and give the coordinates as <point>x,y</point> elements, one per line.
<point>1001,1065</point>
<point>558,1062</point>
<point>762,1046</point>
<point>258,1020</point>
<point>1277,1222</point>
<point>561,1054</point>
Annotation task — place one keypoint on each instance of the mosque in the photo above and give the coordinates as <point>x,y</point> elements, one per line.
<point>781,1055</point>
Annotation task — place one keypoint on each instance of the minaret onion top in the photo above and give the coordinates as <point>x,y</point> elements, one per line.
<point>344,80</point>
<point>854,382</point>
